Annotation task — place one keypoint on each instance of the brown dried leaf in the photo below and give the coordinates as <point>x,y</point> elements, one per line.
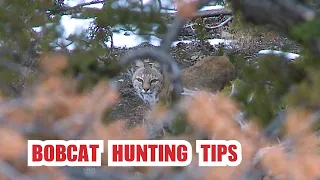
<point>137,133</point>
<point>12,144</point>
<point>19,115</point>
<point>102,132</point>
<point>213,114</point>
<point>307,144</point>
<point>102,97</point>
<point>276,162</point>
<point>252,129</point>
<point>53,62</point>
<point>3,177</point>
<point>222,173</point>
<point>52,172</point>
<point>186,8</point>
<point>159,114</point>
<point>297,122</point>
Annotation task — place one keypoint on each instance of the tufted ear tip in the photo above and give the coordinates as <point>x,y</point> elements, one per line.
<point>156,65</point>
<point>139,63</point>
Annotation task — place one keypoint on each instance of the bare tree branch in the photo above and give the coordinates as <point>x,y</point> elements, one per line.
<point>213,12</point>
<point>175,29</point>
<point>221,24</point>
<point>211,27</point>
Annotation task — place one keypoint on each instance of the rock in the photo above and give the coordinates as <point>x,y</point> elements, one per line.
<point>211,74</point>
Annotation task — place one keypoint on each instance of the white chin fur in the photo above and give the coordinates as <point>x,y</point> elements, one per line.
<point>150,98</point>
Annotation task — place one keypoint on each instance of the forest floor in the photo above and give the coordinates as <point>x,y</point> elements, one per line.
<point>131,107</point>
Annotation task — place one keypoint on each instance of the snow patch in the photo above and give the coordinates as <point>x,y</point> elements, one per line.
<point>132,40</point>
<point>291,56</point>
<point>73,26</point>
<point>205,8</point>
<point>217,41</point>
<point>72,3</point>
<point>211,7</point>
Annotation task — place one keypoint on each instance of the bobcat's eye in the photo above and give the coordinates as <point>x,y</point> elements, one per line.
<point>139,79</point>
<point>153,80</point>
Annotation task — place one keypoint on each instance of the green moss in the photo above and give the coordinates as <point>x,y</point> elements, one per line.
<point>312,27</point>
<point>179,126</point>
<point>227,90</point>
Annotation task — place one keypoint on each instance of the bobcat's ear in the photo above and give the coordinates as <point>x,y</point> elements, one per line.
<point>156,65</point>
<point>139,64</point>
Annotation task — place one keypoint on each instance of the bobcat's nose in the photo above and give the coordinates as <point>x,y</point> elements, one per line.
<point>146,87</point>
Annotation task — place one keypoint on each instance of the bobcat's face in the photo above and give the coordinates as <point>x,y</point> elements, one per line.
<point>148,82</point>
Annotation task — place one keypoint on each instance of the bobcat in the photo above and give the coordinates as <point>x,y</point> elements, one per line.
<point>148,83</point>
<point>211,74</point>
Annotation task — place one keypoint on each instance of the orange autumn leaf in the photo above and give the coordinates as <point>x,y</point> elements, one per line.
<point>186,8</point>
